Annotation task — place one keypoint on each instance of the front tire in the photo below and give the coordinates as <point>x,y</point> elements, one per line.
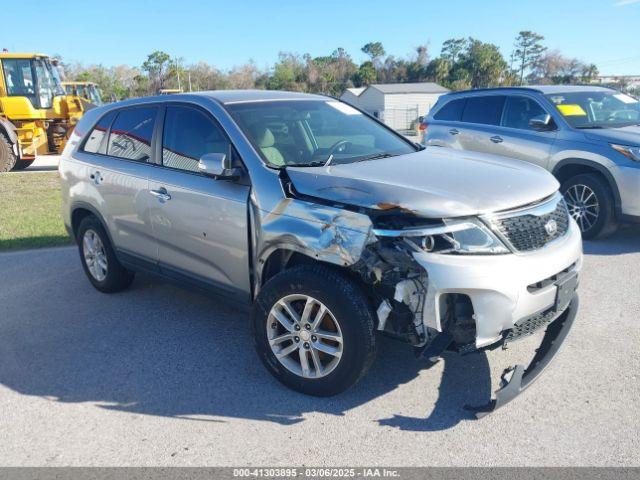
<point>314,330</point>
<point>591,205</point>
<point>8,159</point>
<point>98,259</point>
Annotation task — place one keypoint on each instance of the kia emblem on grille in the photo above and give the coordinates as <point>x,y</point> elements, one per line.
<point>551,227</point>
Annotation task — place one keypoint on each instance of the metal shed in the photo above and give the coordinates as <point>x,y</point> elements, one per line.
<point>397,104</point>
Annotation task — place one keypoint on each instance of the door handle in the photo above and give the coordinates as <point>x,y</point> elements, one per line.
<point>161,194</point>
<point>496,139</point>
<point>454,131</point>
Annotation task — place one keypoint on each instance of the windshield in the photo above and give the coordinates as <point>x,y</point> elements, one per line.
<point>34,78</point>
<point>94,95</point>
<point>597,109</point>
<point>314,132</point>
<point>47,81</point>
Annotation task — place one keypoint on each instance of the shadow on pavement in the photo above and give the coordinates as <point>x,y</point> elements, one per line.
<point>160,350</point>
<point>625,240</point>
<point>466,380</point>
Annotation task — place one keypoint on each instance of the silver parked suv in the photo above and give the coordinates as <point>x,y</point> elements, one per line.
<point>588,137</point>
<point>330,224</point>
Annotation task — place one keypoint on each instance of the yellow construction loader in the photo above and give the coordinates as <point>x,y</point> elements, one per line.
<point>87,91</point>
<point>36,116</point>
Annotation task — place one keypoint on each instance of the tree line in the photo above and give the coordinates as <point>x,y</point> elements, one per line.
<point>462,63</point>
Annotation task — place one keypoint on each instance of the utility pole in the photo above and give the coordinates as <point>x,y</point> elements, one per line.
<point>178,72</point>
<point>189,73</point>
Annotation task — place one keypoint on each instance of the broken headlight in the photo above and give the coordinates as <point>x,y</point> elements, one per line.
<point>468,236</point>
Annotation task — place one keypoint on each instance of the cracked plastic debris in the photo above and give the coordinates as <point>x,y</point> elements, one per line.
<point>383,313</point>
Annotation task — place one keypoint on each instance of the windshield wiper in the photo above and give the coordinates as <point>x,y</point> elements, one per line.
<point>315,163</point>
<point>376,156</point>
<point>585,127</point>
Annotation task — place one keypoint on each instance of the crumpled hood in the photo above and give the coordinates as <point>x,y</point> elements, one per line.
<point>436,183</point>
<point>624,136</point>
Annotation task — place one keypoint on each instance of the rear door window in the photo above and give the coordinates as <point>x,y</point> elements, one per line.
<point>518,111</point>
<point>131,133</point>
<point>452,111</point>
<point>486,110</point>
<point>97,140</point>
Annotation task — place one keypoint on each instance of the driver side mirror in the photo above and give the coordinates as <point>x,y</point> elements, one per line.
<point>542,122</point>
<point>217,165</point>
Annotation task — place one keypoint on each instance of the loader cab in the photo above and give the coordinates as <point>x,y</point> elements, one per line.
<point>88,91</point>
<point>32,77</point>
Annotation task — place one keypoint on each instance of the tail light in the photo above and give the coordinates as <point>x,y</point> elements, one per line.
<point>423,127</point>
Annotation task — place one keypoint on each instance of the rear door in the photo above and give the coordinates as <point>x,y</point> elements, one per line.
<point>118,177</point>
<point>200,223</point>
<point>444,129</point>
<point>516,138</point>
<point>480,118</point>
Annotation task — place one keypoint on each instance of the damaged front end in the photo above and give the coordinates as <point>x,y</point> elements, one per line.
<point>436,284</point>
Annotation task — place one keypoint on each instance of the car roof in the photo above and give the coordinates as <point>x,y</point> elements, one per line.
<point>239,96</point>
<point>225,97</point>
<point>544,89</point>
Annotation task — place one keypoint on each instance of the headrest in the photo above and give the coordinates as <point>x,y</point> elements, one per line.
<point>264,137</point>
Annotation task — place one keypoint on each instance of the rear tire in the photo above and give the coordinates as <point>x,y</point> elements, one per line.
<point>8,159</point>
<point>98,258</point>
<point>22,164</point>
<point>331,366</point>
<point>591,204</point>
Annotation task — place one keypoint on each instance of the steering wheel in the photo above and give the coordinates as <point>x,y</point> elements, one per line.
<point>338,147</point>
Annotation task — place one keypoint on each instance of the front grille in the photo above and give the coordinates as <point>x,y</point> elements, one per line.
<point>531,231</point>
<point>529,326</point>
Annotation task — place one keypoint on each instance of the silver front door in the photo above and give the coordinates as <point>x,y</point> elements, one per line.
<point>200,223</point>
<point>516,138</point>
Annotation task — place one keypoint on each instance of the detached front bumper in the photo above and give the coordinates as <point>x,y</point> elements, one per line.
<point>522,377</point>
<point>504,290</point>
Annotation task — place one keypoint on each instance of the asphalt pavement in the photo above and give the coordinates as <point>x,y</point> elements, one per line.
<point>160,375</point>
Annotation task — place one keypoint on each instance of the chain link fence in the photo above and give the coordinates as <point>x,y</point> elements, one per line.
<point>403,120</point>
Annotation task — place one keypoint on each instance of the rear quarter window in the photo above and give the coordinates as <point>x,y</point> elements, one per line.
<point>451,111</point>
<point>97,140</point>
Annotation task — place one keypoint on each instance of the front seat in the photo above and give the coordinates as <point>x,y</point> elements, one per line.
<point>265,141</point>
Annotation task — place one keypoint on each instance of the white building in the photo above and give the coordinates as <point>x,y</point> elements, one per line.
<point>397,104</point>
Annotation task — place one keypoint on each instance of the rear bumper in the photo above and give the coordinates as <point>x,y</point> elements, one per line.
<point>499,286</point>
<point>523,377</point>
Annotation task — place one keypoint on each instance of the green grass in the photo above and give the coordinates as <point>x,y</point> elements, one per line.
<point>30,211</point>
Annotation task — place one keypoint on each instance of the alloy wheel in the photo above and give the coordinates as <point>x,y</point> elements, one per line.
<point>95,256</point>
<point>583,205</point>
<point>304,336</point>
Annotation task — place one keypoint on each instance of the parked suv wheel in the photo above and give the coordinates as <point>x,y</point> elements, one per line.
<point>8,159</point>
<point>98,258</point>
<point>590,203</point>
<point>314,330</point>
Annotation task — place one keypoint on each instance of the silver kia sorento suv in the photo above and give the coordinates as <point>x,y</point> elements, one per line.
<point>588,137</point>
<point>331,225</point>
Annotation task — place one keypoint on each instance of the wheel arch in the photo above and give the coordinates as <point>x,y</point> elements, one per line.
<point>570,167</point>
<point>81,210</point>
<point>281,258</point>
